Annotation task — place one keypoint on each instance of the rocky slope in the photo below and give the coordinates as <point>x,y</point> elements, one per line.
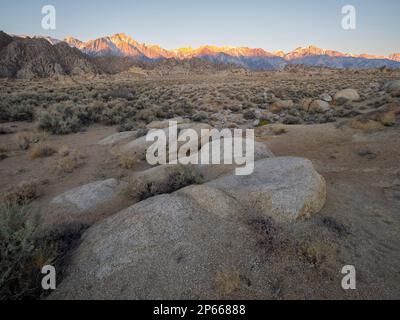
<point>5,40</point>
<point>28,58</point>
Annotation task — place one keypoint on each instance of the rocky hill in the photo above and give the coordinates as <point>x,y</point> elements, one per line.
<point>5,40</point>
<point>36,57</point>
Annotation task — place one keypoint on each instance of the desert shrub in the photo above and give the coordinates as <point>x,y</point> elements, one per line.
<point>146,115</point>
<point>65,118</point>
<point>116,113</point>
<point>16,112</point>
<point>167,112</point>
<point>41,151</point>
<point>319,253</point>
<point>119,92</point>
<point>181,110</point>
<point>336,226</point>
<point>64,151</point>
<point>70,162</point>
<point>128,125</point>
<point>22,194</point>
<point>57,124</point>
<point>5,131</point>
<point>249,115</point>
<point>199,117</point>
<point>96,109</point>
<point>179,176</point>
<point>25,139</point>
<point>16,248</point>
<point>227,282</point>
<point>128,161</point>
<point>266,231</point>
<point>23,254</point>
<point>3,148</point>
<point>182,176</point>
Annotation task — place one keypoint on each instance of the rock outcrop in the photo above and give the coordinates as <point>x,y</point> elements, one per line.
<point>177,246</point>
<point>392,87</point>
<point>161,179</point>
<point>87,197</point>
<point>347,94</point>
<point>139,146</point>
<point>84,204</point>
<point>5,40</point>
<point>117,138</point>
<point>280,105</point>
<point>385,116</point>
<point>319,106</point>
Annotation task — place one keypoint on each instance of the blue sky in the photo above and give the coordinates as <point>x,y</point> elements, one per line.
<point>272,25</point>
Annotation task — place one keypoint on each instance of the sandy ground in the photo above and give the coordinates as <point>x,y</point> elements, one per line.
<point>361,217</point>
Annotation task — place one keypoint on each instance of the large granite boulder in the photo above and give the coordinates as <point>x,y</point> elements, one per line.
<point>196,243</point>
<point>139,146</point>
<point>84,204</point>
<point>392,87</point>
<point>117,137</point>
<point>347,94</point>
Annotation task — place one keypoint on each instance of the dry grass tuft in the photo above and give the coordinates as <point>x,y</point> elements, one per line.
<point>25,139</point>
<point>64,151</point>
<point>69,163</point>
<point>41,150</point>
<point>277,130</point>
<point>22,254</point>
<point>228,282</point>
<point>178,177</point>
<point>4,148</point>
<point>128,161</point>
<point>319,253</point>
<point>22,194</point>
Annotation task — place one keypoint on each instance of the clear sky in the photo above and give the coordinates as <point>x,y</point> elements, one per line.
<point>272,25</point>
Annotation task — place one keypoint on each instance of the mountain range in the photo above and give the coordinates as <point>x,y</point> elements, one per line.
<point>252,58</point>
<point>27,57</point>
